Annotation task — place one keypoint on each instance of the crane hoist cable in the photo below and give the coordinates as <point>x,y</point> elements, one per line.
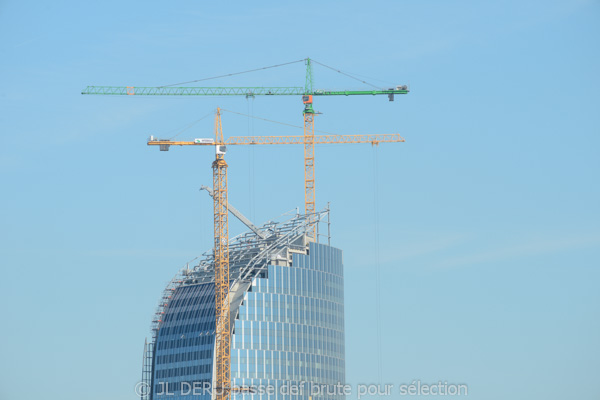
<point>377,262</point>
<point>222,375</point>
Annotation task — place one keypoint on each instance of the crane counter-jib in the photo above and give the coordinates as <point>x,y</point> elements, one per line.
<point>222,370</point>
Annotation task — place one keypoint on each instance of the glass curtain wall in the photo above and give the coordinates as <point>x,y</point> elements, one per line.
<point>288,333</point>
<point>290,329</point>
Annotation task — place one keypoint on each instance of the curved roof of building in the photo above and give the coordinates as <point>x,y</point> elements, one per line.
<point>249,255</point>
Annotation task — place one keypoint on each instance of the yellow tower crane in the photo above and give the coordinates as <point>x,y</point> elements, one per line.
<point>307,93</point>
<point>221,233</point>
<point>221,229</point>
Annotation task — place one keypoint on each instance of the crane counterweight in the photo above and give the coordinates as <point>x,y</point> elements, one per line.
<point>222,379</point>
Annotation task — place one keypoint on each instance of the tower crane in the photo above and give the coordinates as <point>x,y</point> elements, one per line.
<point>307,93</point>
<point>221,208</point>
<point>220,189</point>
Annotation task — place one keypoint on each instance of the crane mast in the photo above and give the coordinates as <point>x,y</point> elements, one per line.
<point>220,190</point>
<point>221,232</point>
<point>309,163</point>
<point>307,93</point>
<point>309,146</point>
<point>221,256</point>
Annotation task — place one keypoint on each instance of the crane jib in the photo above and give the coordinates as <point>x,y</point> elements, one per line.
<point>231,91</point>
<point>275,140</point>
<point>221,252</point>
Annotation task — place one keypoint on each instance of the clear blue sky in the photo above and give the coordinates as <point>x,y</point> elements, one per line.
<point>489,218</point>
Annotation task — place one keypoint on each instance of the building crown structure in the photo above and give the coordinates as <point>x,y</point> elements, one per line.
<point>287,319</point>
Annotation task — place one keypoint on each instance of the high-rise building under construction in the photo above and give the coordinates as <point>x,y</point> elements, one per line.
<point>287,319</point>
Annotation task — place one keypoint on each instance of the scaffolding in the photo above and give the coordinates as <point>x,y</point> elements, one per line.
<point>145,387</point>
<point>249,257</point>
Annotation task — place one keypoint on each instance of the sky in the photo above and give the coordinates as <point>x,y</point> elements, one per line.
<point>487,217</point>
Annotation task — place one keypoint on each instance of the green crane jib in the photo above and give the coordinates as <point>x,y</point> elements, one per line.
<point>307,92</point>
<point>231,91</point>
<point>241,90</point>
<point>223,333</point>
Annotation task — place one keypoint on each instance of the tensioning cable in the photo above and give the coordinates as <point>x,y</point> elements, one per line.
<point>234,73</point>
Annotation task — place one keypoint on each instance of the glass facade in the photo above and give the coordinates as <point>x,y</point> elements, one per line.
<point>290,327</point>
<point>184,348</point>
<point>288,332</point>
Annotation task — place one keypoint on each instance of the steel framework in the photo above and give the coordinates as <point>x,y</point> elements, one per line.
<point>229,91</point>
<point>316,139</point>
<point>221,250</point>
<point>249,91</point>
<point>249,256</point>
